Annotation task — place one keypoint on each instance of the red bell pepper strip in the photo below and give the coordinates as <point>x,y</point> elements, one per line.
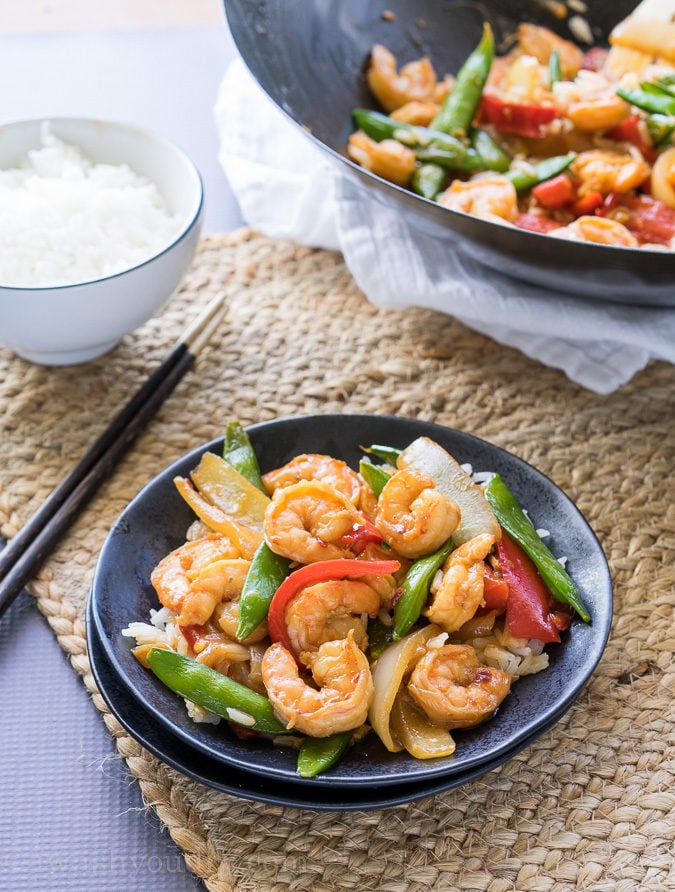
<point>531,612</point>
<point>362,534</point>
<point>555,193</point>
<point>588,203</point>
<point>647,218</point>
<point>518,118</point>
<point>320,571</point>
<point>495,590</point>
<point>634,131</point>
<point>536,223</point>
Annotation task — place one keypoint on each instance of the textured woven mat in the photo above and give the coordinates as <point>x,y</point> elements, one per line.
<point>590,805</point>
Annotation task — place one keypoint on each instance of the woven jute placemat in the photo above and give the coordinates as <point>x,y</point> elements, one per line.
<point>590,805</point>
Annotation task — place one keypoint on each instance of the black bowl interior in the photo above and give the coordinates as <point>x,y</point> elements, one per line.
<point>310,57</point>
<point>156,522</point>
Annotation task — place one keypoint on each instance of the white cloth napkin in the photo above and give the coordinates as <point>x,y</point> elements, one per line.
<point>287,187</point>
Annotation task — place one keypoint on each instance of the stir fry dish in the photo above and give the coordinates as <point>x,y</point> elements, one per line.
<point>315,603</point>
<point>546,138</point>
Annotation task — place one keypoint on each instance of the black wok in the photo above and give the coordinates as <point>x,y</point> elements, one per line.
<point>310,55</point>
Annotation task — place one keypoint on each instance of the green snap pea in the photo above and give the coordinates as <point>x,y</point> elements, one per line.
<point>379,638</point>
<point>554,68</point>
<point>265,574</point>
<point>661,128</point>
<point>459,108</point>
<point>512,519</point>
<point>428,180</point>
<point>434,154</point>
<point>415,590</point>
<point>493,155</point>
<point>219,694</point>
<point>524,178</point>
<point>375,476</point>
<point>388,454</point>
<point>649,99</point>
<point>238,452</point>
<point>317,754</point>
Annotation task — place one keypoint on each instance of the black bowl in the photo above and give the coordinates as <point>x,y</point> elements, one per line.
<point>156,522</point>
<point>310,56</point>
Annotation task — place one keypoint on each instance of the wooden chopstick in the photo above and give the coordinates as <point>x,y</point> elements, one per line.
<point>25,553</point>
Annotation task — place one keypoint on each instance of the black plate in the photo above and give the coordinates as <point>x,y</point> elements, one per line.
<point>212,773</point>
<point>310,55</point>
<point>156,522</point>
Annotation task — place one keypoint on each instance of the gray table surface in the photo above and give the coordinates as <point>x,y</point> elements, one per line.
<point>72,817</point>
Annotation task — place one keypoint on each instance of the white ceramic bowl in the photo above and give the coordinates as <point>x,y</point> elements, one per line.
<point>68,324</point>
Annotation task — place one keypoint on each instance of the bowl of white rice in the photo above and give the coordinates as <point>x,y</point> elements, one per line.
<point>99,222</point>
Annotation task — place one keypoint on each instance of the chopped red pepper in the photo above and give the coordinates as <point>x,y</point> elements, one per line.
<point>495,590</point>
<point>361,535</point>
<point>536,223</point>
<point>647,218</point>
<point>588,203</point>
<point>531,611</point>
<point>309,575</point>
<point>595,58</point>
<point>634,131</point>
<point>519,118</point>
<point>555,193</point>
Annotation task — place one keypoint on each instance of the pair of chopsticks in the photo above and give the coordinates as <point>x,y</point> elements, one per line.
<point>25,553</point>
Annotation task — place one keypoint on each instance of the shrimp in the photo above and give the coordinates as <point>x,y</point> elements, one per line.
<point>306,521</point>
<point>604,171</point>
<point>392,88</point>
<point>663,178</point>
<point>345,687</point>
<point>389,159</point>
<point>313,466</point>
<point>460,592</point>
<point>419,114</point>
<point>413,516</point>
<point>599,230</point>
<point>453,689</point>
<point>329,610</point>
<point>533,40</point>
<point>488,197</point>
<point>590,102</point>
<point>194,578</point>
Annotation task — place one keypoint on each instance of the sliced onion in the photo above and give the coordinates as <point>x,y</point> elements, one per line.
<point>388,674</point>
<point>422,739</point>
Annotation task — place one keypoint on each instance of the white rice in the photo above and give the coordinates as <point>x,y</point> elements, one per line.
<point>65,219</point>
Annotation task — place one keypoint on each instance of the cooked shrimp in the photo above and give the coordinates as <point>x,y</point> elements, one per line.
<point>345,687</point>
<point>460,592</point>
<point>413,516</point>
<point>329,610</point>
<point>389,159</point>
<point>604,171</point>
<point>313,466</point>
<point>590,102</point>
<point>488,197</point>
<point>392,88</point>
<point>663,178</point>
<point>306,521</point>
<point>599,230</point>
<point>533,40</point>
<point>194,578</point>
<point>452,688</point>
<point>420,114</point>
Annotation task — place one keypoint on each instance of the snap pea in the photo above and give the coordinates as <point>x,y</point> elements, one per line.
<point>492,154</point>
<point>388,454</point>
<point>459,108</point>
<point>524,178</point>
<point>375,476</point>
<point>265,574</point>
<point>661,128</point>
<point>470,160</point>
<point>379,638</point>
<point>554,68</point>
<point>215,692</point>
<point>512,519</point>
<point>649,99</point>
<point>319,753</point>
<point>238,452</point>
<point>428,180</point>
<point>415,590</point>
